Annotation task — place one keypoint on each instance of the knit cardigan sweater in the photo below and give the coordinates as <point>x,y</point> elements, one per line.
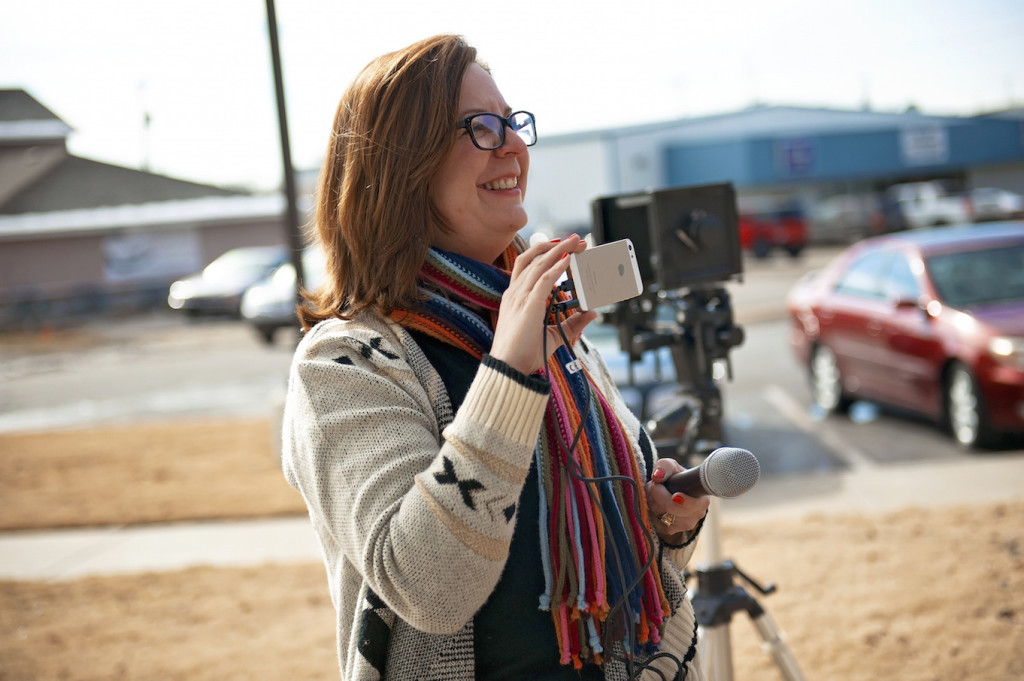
<point>414,506</point>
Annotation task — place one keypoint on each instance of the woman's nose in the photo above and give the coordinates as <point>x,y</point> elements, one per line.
<point>513,142</point>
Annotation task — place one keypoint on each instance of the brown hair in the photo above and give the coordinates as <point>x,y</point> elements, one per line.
<point>394,126</point>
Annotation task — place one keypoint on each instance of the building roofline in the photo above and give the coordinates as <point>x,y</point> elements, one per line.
<point>21,131</point>
<point>146,215</point>
<point>682,124</point>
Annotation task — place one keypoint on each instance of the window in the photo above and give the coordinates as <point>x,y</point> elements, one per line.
<point>978,277</point>
<point>900,283</point>
<point>864,277</point>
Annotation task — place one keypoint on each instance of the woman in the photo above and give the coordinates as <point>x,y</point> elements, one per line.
<point>437,425</point>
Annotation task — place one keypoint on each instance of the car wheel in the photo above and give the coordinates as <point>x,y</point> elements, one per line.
<point>762,247</point>
<point>826,381</point>
<point>965,410</point>
<point>266,334</point>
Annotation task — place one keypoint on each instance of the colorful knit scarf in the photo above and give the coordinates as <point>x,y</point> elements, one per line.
<point>594,545</point>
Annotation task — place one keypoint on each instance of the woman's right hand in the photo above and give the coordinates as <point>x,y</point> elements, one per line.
<point>519,335</point>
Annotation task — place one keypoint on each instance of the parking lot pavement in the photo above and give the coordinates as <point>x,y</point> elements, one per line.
<point>977,479</point>
<point>218,365</point>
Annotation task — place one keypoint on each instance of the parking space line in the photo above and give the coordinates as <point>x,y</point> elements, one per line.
<point>852,456</point>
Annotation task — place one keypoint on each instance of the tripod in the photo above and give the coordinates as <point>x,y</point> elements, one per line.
<point>718,596</point>
<point>704,334</point>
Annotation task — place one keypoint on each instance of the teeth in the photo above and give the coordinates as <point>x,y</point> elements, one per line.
<point>504,183</point>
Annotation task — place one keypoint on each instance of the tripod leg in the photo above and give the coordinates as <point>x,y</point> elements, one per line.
<point>776,645</point>
<point>718,643</point>
<point>719,653</point>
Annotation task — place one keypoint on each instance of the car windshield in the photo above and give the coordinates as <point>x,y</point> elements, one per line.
<point>241,263</point>
<point>314,270</point>
<point>979,277</point>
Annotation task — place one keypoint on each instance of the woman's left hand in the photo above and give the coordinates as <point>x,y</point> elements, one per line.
<point>519,336</point>
<point>684,512</point>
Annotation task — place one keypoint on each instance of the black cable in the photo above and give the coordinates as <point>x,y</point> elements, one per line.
<point>562,305</point>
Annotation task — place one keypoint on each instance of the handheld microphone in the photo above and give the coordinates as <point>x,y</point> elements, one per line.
<point>727,472</point>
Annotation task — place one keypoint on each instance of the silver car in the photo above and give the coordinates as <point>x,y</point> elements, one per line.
<point>218,288</point>
<point>270,304</point>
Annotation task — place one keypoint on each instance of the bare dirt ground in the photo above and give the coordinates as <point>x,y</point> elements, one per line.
<point>916,595</point>
<point>156,472</point>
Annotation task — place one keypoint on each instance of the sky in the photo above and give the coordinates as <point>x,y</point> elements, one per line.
<point>200,70</point>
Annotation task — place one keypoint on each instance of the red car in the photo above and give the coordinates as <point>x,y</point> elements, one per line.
<point>928,320</point>
<point>763,231</point>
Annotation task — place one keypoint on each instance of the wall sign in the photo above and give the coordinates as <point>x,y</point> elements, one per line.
<point>924,145</point>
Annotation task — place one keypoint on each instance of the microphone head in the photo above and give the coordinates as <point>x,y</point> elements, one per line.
<point>729,472</point>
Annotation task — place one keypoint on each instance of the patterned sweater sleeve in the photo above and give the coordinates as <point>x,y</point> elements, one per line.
<point>425,517</point>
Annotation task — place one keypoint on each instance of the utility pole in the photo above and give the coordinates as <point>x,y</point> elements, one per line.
<point>292,215</point>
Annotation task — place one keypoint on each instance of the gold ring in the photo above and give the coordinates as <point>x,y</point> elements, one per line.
<point>667,519</point>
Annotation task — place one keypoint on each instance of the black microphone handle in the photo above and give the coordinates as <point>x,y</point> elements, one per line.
<point>688,482</point>
<point>726,472</point>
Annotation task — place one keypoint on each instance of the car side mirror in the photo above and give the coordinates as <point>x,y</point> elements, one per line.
<point>901,303</point>
<point>904,303</point>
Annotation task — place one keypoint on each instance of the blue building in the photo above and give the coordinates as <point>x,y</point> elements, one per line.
<point>783,154</point>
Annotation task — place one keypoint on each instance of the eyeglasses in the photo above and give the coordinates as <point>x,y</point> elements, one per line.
<point>487,130</point>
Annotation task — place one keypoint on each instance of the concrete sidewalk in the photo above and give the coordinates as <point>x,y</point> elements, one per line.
<point>73,553</point>
<point>69,554</point>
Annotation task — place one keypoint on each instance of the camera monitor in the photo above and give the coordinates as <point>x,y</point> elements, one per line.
<point>684,236</point>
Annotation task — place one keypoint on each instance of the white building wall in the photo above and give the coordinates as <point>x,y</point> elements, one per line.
<point>565,177</point>
<point>641,158</point>
<point>567,173</point>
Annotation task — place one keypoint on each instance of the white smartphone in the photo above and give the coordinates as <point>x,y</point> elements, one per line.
<point>605,274</point>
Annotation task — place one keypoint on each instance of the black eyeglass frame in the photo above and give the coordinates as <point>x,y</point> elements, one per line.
<point>506,121</point>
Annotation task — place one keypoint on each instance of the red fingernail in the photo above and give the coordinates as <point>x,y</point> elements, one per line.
<point>679,498</point>
<point>555,241</point>
<point>658,474</point>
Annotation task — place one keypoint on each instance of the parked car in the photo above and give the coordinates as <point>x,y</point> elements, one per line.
<point>766,229</point>
<point>930,204</point>
<point>992,203</point>
<point>926,320</point>
<point>270,304</point>
<point>846,218</point>
<point>218,288</point>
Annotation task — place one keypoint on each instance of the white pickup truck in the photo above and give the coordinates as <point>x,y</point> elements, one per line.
<point>927,204</point>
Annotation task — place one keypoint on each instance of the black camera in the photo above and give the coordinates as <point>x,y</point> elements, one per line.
<point>684,236</point>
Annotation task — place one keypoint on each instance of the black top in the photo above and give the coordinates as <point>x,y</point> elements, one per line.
<point>513,638</point>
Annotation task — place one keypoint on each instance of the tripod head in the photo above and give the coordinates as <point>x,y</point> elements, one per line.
<point>700,333</point>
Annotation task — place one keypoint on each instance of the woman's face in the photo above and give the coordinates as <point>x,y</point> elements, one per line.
<point>480,193</point>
